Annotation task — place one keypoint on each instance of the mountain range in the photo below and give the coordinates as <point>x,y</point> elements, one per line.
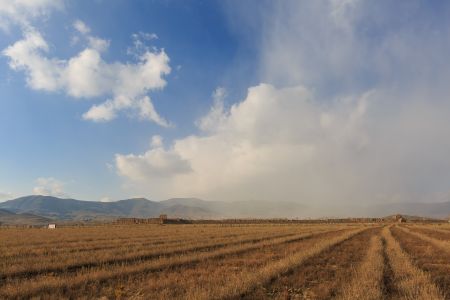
<point>49,207</point>
<point>72,209</point>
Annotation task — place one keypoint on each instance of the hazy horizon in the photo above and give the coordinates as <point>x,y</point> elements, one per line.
<point>321,103</point>
<point>209,200</point>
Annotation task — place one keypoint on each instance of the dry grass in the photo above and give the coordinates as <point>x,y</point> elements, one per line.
<point>313,261</point>
<point>105,272</point>
<point>445,233</point>
<point>271,270</point>
<point>368,277</point>
<point>320,276</point>
<point>411,282</point>
<point>61,261</point>
<point>427,257</point>
<point>432,236</point>
<point>53,274</point>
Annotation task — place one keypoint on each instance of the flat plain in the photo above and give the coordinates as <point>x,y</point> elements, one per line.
<point>259,261</point>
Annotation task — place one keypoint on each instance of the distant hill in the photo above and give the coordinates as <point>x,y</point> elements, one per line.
<point>411,218</point>
<point>439,210</point>
<point>194,208</point>
<point>10,218</point>
<point>71,209</point>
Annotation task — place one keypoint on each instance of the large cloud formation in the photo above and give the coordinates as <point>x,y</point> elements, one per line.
<point>86,75</point>
<point>355,110</point>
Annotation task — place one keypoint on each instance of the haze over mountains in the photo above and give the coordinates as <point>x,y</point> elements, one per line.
<point>31,208</point>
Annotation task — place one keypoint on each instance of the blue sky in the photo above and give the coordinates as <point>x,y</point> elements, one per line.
<point>308,101</point>
<point>45,134</point>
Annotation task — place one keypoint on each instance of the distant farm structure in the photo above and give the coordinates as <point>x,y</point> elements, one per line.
<point>51,226</point>
<point>401,220</point>
<point>163,219</point>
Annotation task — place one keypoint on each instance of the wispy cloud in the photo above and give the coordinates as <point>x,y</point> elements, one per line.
<point>49,186</point>
<point>5,196</point>
<point>19,12</point>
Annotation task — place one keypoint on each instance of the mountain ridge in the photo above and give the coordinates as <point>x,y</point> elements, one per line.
<point>195,208</point>
<point>73,209</point>
<point>10,218</point>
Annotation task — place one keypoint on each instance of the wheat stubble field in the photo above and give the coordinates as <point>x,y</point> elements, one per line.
<point>309,261</point>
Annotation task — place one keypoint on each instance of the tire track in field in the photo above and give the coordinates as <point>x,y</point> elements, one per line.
<point>321,276</point>
<point>390,290</point>
<point>367,281</point>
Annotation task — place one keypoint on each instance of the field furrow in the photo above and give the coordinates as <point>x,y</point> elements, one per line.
<point>344,261</point>
<point>59,264</point>
<point>104,273</point>
<point>320,276</point>
<point>69,238</point>
<point>368,279</point>
<point>72,236</point>
<point>444,245</point>
<point>76,252</point>
<point>410,281</point>
<point>428,257</point>
<point>434,233</point>
<point>237,275</point>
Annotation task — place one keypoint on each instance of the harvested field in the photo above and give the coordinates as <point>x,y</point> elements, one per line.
<point>428,257</point>
<point>440,234</point>
<point>263,261</point>
<point>321,275</point>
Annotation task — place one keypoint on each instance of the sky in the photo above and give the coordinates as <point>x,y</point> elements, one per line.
<point>317,102</point>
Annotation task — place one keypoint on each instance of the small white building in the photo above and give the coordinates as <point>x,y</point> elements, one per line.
<point>51,226</point>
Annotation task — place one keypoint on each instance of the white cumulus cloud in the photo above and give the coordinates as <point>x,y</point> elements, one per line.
<point>88,75</point>
<point>266,147</point>
<point>157,162</point>
<point>287,144</point>
<point>216,115</point>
